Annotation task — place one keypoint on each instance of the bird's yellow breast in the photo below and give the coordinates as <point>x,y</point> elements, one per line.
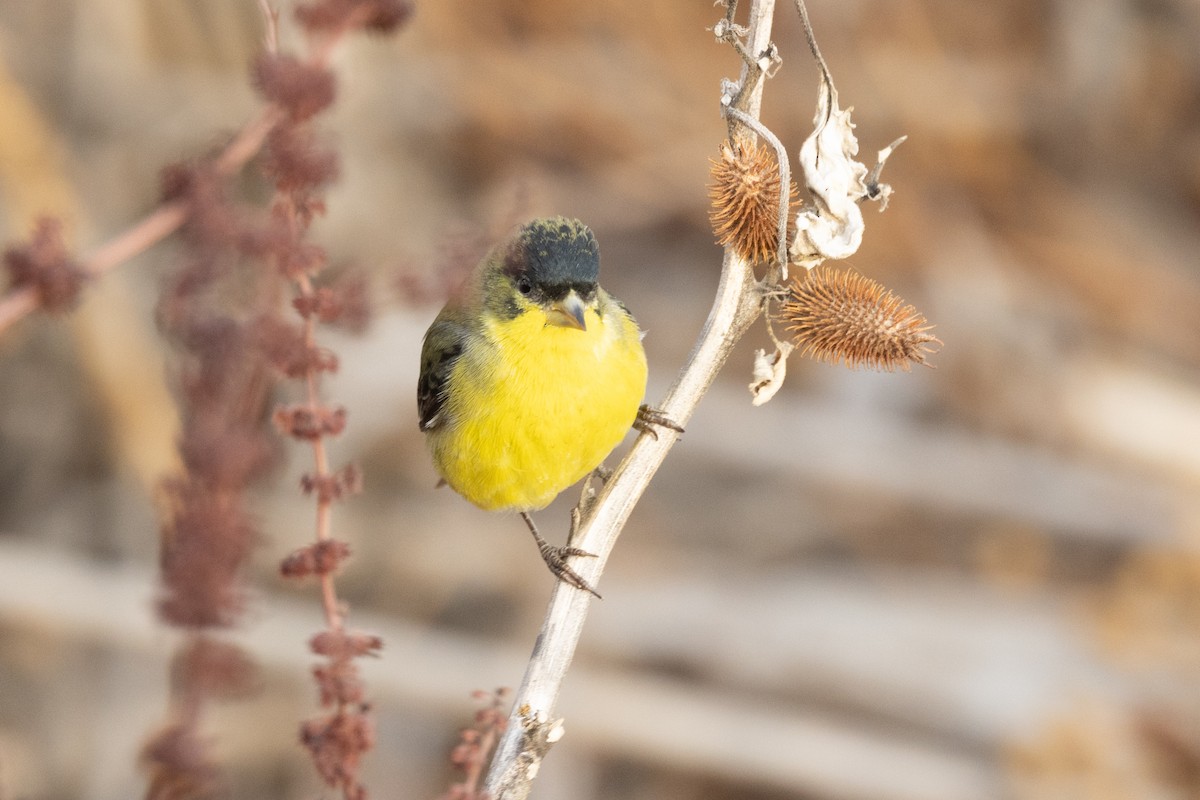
<point>533,407</point>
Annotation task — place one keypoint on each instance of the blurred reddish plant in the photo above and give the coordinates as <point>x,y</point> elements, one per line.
<point>207,534</point>
<point>476,744</point>
<point>300,166</point>
<point>43,276</point>
<point>225,318</point>
<point>44,268</point>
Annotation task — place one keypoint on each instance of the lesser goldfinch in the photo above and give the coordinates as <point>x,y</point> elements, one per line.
<point>530,376</point>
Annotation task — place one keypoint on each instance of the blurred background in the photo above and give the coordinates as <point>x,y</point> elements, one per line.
<point>975,581</point>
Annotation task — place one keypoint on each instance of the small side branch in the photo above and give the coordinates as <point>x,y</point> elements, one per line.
<point>810,37</point>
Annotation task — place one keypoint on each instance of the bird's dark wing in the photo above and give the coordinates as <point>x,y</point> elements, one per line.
<point>443,345</point>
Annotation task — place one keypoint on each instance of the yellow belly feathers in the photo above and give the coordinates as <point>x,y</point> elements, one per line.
<point>535,407</point>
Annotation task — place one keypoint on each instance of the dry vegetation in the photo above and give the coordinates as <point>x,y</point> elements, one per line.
<point>974,581</point>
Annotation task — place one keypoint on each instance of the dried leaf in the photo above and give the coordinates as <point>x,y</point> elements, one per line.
<point>832,225</point>
<point>769,372</point>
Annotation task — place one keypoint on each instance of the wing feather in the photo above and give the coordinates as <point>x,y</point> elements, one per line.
<point>442,348</point>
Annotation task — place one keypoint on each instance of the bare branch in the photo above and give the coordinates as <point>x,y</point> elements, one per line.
<point>827,82</point>
<point>532,724</point>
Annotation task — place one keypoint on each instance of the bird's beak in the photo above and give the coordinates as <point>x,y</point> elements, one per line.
<point>568,312</point>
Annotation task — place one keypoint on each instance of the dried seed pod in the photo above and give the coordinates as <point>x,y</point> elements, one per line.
<point>842,316</point>
<point>745,201</point>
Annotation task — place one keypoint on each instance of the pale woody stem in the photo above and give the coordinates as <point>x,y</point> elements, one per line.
<point>736,306</point>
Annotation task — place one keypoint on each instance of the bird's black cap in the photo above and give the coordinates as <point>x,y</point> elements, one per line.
<point>555,254</point>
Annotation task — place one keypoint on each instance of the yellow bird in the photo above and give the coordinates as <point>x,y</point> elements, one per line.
<point>530,376</point>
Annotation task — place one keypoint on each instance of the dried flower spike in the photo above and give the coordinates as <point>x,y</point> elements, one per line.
<point>301,88</point>
<point>45,265</point>
<point>745,201</point>
<point>842,316</point>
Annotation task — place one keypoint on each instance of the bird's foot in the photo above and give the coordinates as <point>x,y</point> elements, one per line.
<point>556,558</point>
<point>648,420</point>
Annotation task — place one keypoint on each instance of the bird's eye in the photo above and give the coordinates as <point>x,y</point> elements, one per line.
<point>524,286</point>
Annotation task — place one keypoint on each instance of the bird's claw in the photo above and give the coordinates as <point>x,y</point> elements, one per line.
<point>556,560</point>
<point>648,420</point>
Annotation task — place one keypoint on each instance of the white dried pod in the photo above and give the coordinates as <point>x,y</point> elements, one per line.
<point>831,226</point>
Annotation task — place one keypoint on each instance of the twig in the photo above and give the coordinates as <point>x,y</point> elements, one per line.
<point>532,726</point>
<point>162,222</point>
<point>15,305</point>
<point>271,34</point>
<point>156,226</point>
<point>167,218</point>
<point>324,528</point>
<point>813,42</point>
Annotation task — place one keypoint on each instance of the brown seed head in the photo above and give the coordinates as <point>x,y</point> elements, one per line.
<point>745,201</point>
<point>842,316</point>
